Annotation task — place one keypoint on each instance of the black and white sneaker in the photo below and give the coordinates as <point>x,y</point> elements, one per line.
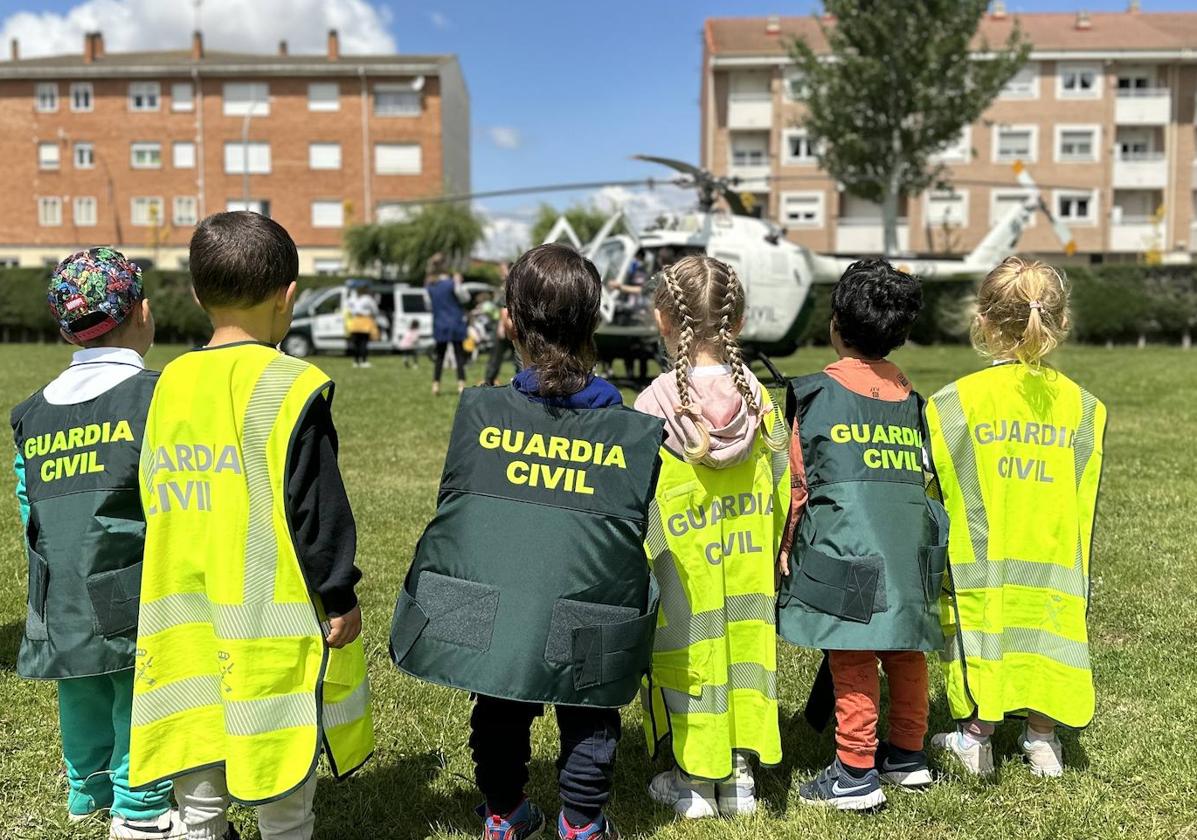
<point>835,787</point>
<point>903,768</point>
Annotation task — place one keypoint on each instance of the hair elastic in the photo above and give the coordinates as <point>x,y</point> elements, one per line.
<point>1036,305</point>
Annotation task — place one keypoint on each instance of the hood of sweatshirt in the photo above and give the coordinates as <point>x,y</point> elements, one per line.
<point>731,425</point>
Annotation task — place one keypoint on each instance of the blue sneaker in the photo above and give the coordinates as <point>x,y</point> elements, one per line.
<point>525,822</point>
<point>600,829</point>
<point>835,787</point>
<point>902,767</point>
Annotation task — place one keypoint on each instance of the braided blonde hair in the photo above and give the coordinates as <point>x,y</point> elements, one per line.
<point>1022,312</point>
<point>703,299</point>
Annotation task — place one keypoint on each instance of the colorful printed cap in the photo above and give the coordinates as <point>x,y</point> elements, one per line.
<point>92,292</point>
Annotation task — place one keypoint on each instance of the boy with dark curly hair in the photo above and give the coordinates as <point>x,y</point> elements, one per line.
<point>869,547</point>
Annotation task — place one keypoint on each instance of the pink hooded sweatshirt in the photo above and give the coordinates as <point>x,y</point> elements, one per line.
<point>713,391</point>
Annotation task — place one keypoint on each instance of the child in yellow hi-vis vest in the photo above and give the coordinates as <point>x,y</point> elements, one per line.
<point>723,499</point>
<point>1017,449</point>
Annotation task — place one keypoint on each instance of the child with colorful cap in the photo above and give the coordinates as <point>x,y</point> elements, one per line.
<point>78,444</point>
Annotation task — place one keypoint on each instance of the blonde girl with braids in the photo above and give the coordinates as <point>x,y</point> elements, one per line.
<point>1018,452</point>
<point>721,506</point>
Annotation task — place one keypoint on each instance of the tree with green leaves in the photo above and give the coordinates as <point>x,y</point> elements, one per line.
<point>402,248</point>
<point>897,85</point>
<point>586,220</point>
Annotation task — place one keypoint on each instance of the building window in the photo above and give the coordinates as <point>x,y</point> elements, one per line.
<point>1078,81</point>
<point>144,96</point>
<point>947,208</point>
<point>186,210</point>
<point>1015,142</point>
<point>750,149</point>
<point>85,211</point>
<point>46,96</point>
<point>802,209</point>
<point>396,101</point>
<point>182,96</point>
<point>9,262</point>
<point>48,156</point>
<point>81,96</point>
<point>324,156</point>
<point>49,211</point>
<point>328,214</point>
<point>85,156</point>
<point>750,86</point>
<point>241,98</point>
<point>388,212</point>
<point>183,155</point>
<point>146,156</point>
<point>328,267</point>
<point>324,96</point>
<point>397,159</point>
<point>1076,206</point>
<point>959,150</point>
<point>1002,200</point>
<point>1024,84</point>
<point>794,85</point>
<point>235,158</point>
<point>147,212</point>
<point>256,205</point>
<point>798,147</point>
<point>1135,144</point>
<point>1076,143</point>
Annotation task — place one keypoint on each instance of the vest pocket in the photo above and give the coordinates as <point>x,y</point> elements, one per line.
<point>460,612</point>
<point>846,588</point>
<point>115,598</point>
<point>409,622</point>
<point>603,643</point>
<point>39,585</point>
<point>933,562</point>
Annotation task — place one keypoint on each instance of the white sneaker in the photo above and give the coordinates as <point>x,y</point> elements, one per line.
<point>367,364</point>
<point>166,827</point>
<point>738,794</point>
<point>1045,755</point>
<point>690,799</point>
<point>976,759</point>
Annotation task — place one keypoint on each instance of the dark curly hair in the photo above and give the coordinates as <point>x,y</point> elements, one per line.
<point>553,296</point>
<point>874,305</point>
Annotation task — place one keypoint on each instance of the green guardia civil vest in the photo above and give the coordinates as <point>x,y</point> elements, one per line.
<point>85,532</point>
<point>871,548</point>
<point>713,546</point>
<point>530,583</point>
<point>1018,454</point>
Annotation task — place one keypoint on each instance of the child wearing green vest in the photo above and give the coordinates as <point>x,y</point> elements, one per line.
<point>78,442</point>
<point>723,500</point>
<point>1017,450</point>
<point>868,545</point>
<point>249,665</point>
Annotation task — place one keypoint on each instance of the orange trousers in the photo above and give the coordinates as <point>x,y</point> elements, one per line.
<point>858,702</point>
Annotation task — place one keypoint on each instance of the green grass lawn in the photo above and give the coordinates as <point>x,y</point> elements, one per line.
<point>1131,774</point>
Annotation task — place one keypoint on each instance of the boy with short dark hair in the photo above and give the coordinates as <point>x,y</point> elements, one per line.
<point>869,546</point>
<point>78,443</point>
<point>249,663</point>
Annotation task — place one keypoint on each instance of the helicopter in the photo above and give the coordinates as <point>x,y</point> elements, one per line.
<point>777,274</point>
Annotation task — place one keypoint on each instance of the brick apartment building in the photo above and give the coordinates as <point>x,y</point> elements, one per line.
<point>1102,114</point>
<point>132,149</point>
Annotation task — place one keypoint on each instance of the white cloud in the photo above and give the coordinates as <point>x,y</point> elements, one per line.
<point>226,24</point>
<point>643,206</point>
<point>505,136</point>
<point>505,236</point>
<point>440,20</point>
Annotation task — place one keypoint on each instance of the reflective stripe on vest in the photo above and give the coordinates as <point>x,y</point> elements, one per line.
<point>1015,626</point>
<point>232,668</point>
<point>713,685</point>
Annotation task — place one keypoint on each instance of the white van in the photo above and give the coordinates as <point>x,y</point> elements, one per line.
<point>319,324</point>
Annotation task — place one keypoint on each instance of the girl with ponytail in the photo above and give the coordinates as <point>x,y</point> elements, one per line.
<point>722,502</point>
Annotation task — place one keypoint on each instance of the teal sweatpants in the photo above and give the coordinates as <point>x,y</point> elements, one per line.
<point>95,714</point>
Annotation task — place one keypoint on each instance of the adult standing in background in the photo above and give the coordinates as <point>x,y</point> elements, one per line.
<point>361,322</point>
<point>502,345</point>
<point>447,296</point>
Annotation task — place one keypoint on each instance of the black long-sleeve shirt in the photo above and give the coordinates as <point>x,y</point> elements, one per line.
<point>322,525</point>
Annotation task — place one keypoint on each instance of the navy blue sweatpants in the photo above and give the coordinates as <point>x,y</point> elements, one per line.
<point>501,740</point>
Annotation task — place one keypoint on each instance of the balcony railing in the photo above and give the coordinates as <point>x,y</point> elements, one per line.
<point>1141,157</point>
<point>1142,93</point>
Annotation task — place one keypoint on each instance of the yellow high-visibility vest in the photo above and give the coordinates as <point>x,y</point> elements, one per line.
<point>713,540</point>
<point>232,668</point>
<point>1019,455</point>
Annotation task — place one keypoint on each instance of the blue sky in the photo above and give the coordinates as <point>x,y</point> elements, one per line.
<point>560,91</point>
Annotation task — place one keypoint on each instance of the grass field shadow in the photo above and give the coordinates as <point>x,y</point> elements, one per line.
<point>10,643</point>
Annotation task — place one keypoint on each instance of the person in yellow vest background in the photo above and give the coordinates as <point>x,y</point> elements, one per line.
<point>248,659</point>
<point>723,499</point>
<point>1017,449</point>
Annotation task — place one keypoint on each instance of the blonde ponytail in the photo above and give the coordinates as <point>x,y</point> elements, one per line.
<point>1022,312</point>
<point>694,451</point>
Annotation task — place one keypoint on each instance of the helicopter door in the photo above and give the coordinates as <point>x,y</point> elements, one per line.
<point>613,258</point>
